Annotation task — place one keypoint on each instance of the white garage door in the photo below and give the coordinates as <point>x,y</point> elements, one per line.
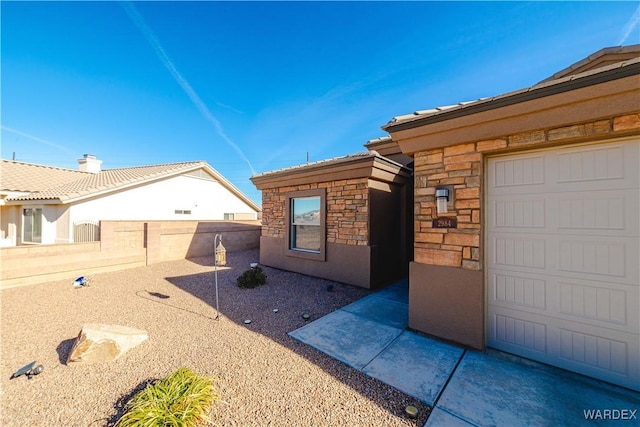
<point>563,251</point>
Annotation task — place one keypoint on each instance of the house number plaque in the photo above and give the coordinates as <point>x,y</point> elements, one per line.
<point>445,222</point>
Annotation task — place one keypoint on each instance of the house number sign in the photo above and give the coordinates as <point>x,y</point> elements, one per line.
<point>445,222</point>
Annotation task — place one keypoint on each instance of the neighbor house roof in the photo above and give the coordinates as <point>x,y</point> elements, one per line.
<point>59,185</point>
<point>597,68</point>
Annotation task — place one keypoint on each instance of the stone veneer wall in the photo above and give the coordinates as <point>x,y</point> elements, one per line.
<point>462,167</point>
<point>347,210</point>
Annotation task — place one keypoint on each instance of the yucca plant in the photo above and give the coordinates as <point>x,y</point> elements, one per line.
<point>182,399</point>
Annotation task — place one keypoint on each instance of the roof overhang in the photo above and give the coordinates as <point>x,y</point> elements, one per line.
<point>367,166</point>
<point>585,97</point>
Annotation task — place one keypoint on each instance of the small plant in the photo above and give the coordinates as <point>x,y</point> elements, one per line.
<point>182,399</point>
<point>252,278</point>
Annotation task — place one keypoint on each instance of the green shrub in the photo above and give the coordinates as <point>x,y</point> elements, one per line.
<point>252,278</point>
<point>182,399</point>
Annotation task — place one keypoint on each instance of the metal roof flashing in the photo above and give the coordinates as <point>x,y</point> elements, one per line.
<point>363,164</point>
<point>546,88</point>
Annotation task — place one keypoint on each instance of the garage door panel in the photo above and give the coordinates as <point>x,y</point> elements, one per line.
<point>563,258</point>
<point>590,257</point>
<point>599,304</point>
<point>596,167</point>
<point>510,174</point>
<point>599,352</point>
<point>597,213</point>
<point>596,303</point>
<point>519,332</point>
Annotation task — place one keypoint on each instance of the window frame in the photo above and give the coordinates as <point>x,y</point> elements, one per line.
<point>302,253</point>
<point>34,210</point>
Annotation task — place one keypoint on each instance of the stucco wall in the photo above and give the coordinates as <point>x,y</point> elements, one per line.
<point>206,199</point>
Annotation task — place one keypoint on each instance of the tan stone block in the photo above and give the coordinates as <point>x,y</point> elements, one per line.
<point>429,191</point>
<point>475,216</point>
<point>463,158</point>
<point>467,204</point>
<point>467,225</point>
<point>451,181</point>
<point>436,246</point>
<point>527,138</point>
<point>491,144</point>
<point>457,167</point>
<point>631,121</point>
<point>468,193</point>
<point>472,181</point>
<point>566,132</point>
<point>599,127</point>
<point>462,239</point>
<point>466,253</point>
<point>471,265</point>
<point>459,149</point>
<point>436,176</point>
<point>429,237</point>
<point>438,257</point>
<point>433,158</point>
<point>456,248</point>
<point>463,172</point>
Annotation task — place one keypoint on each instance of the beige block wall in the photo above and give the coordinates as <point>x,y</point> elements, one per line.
<point>347,210</point>
<point>189,239</point>
<point>124,244</point>
<point>462,167</point>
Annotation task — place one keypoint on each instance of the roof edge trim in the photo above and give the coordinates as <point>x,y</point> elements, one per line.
<point>519,97</point>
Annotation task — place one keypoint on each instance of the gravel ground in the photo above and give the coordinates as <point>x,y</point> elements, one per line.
<point>266,378</point>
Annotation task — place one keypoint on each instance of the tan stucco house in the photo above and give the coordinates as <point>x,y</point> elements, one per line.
<point>41,204</point>
<point>533,247</point>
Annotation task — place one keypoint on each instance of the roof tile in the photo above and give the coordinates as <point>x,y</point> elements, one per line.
<point>46,182</point>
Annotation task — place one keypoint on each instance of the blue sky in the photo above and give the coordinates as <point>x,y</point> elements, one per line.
<point>253,86</point>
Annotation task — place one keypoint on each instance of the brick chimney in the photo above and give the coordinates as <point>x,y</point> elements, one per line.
<point>89,163</point>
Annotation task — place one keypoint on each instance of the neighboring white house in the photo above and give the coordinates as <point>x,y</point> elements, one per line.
<point>43,204</point>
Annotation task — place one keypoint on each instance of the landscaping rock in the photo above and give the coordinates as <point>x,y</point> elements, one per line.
<point>104,343</point>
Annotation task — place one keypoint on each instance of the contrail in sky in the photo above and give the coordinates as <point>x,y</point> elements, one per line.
<point>184,84</point>
<point>35,138</point>
<point>631,26</point>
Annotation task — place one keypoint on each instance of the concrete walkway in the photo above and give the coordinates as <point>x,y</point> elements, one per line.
<point>464,388</point>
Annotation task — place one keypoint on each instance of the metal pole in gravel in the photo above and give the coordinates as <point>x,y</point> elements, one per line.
<point>219,257</point>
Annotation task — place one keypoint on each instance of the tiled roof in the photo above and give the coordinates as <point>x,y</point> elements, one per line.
<point>379,140</point>
<point>629,66</point>
<point>603,57</point>
<point>106,180</point>
<point>28,177</point>
<point>64,185</point>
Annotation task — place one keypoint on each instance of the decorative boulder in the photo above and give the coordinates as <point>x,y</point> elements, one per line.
<point>103,343</point>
